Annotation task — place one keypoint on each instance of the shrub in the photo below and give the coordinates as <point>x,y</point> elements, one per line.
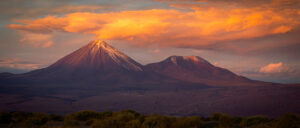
<point>125,116</point>
<point>116,120</point>
<point>32,122</point>
<point>19,116</point>
<point>106,114</point>
<point>236,120</point>
<point>107,123</point>
<point>43,117</point>
<point>55,117</point>
<point>157,121</point>
<point>216,116</point>
<point>131,112</point>
<point>289,121</point>
<point>132,119</point>
<point>225,121</point>
<point>35,120</point>
<point>86,115</point>
<point>70,121</point>
<point>89,122</point>
<point>5,117</point>
<point>263,126</point>
<point>133,124</point>
<point>188,122</point>
<point>254,121</point>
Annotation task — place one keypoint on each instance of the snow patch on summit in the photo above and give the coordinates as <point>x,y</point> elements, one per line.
<point>195,59</point>
<point>173,59</point>
<point>115,55</point>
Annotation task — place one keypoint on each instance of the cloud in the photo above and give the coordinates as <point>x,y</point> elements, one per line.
<point>278,4</point>
<point>47,44</point>
<point>274,68</point>
<point>155,51</point>
<point>75,8</point>
<point>18,64</point>
<point>274,72</point>
<point>37,40</point>
<point>197,28</point>
<point>197,51</point>
<point>11,9</point>
<point>247,28</point>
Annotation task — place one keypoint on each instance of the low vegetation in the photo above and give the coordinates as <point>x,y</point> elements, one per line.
<point>132,119</point>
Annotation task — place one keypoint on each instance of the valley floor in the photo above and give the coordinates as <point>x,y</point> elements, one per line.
<point>272,101</point>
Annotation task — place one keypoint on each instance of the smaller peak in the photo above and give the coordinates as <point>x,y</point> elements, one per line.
<point>185,57</point>
<point>175,58</point>
<point>194,58</point>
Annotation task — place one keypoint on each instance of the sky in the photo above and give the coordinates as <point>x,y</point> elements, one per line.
<point>258,39</point>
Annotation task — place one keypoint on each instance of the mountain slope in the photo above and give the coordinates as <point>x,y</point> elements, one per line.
<point>98,55</point>
<point>96,62</point>
<point>196,69</point>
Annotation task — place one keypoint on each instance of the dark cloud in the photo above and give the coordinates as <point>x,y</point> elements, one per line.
<point>280,4</point>
<point>12,9</point>
<point>15,9</point>
<point>281,45</point>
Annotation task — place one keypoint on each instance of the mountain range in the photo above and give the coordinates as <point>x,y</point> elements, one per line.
<point>99,77</point>
<point>100,62</point>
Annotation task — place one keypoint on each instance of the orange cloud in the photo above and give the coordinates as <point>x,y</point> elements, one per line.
<point>37,40</point>
<point>72,8</point>
<point>197,28</point>
<point>155,51</point>
<point>18,64</point>
<point>47,44</point>
<point>273,68</point>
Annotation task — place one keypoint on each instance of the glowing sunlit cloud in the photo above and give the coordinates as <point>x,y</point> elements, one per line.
<point>18,64</point>
<point>273,68</point>
<point>78,8</point>
<point>198,28</point>
<point>37,40</point>
<point>47,44</point>
<point>155,51</point>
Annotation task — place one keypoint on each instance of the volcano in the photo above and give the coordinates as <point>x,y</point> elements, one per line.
<point>198,70</point>
<point>99,77</point>
<point>97,56</point>
<point>95,62</point>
